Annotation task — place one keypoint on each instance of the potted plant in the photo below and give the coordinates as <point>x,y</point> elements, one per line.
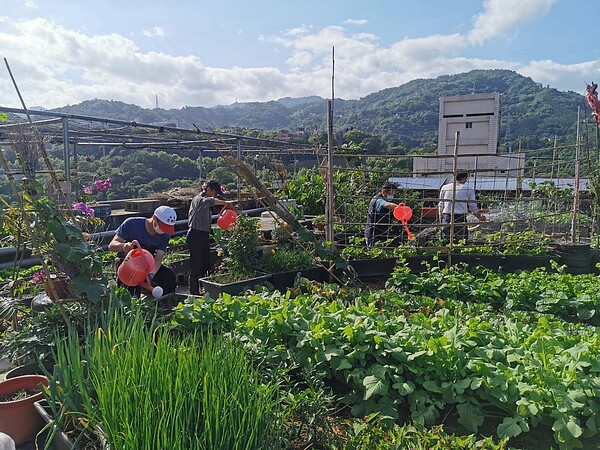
<point>238,271</point>
<point>32,368</point>
<point>18,417</point>
<point>319,222</point>
<point>286,264</point>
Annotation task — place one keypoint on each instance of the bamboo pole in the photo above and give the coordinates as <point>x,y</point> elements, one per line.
<point>36,132</point>
<point>453,204</point>
<point>34,239</point>
<point>576,191</point>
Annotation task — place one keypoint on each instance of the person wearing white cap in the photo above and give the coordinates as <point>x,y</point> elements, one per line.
<point>198,236</point>
<point>153,234</point>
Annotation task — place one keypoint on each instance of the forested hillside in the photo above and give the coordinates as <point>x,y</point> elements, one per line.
<point>407,113</point>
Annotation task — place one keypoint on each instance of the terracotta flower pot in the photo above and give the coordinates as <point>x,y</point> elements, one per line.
<point>19,419</point>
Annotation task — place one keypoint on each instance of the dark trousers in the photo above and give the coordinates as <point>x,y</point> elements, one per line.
<point>165,278</point>
<point>199,245</point>
<point>460,228</point>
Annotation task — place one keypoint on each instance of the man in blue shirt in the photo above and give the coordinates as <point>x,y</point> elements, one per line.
<point>153,234</point>
<point>380,214</point>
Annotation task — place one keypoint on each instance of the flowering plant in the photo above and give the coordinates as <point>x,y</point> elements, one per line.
<point>85,209</point>
<point>240,244</point>
<point>39,276</point>
<point>98,185</point>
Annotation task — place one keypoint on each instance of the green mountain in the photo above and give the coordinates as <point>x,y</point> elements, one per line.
<point>408,113</point>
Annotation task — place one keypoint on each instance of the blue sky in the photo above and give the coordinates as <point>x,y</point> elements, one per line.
<point>194,53</point>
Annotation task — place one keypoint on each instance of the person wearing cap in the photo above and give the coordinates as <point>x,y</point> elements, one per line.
<point>380,214</point>
<point>464,201</point>
<point>199,226</point>
<point>153,234</point>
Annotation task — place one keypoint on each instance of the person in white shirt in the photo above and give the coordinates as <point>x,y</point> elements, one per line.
<point>464,202</point>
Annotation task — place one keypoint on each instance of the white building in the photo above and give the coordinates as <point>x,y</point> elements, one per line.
<point>476,118</point>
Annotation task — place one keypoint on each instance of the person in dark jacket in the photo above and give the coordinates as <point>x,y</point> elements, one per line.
<point>199,226</point>
<point>380,214</point>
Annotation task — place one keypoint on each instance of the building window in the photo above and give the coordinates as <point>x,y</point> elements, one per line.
<point>469,125</point>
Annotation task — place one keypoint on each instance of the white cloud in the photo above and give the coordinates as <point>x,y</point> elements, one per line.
<point>356,21</point>
<point>55,65</point>
<point>30,4</point>
<point>502,16</point>
<point>563,76</point>
<point>154,32</point>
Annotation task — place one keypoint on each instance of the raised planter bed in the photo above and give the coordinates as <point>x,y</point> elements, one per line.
<point>492,262</point>
<point>283,280</point>
<point>58,438</point>
<point>371,268</point>
<point>505,263</point>
<point>418,264</point>
<point>214,289</point>
<point>577,258</point>
<point>512,263</point>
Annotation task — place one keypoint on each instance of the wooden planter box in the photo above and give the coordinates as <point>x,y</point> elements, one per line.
<point>214,289</point>
<point>283,280</point>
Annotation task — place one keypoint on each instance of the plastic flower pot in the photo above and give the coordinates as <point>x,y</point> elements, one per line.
<point>33,368</point>
<point>19,418</point>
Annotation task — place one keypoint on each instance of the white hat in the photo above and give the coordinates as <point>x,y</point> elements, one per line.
<point>166,219</point>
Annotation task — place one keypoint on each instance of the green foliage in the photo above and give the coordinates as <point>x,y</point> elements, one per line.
<point>406,115</point>
<point>308,190</point>
<point>282,260</point>
<point>64,243</point>
<point>35,338</point>
<point>368,434</point>
<point>202,385</point>
<point>526,242</point>
<point>400,350</point>
<point>357,249</point>
<point>240,243</point>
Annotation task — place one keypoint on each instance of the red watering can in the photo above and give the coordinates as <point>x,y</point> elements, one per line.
<point>226,219</point>
<point>136,267</point>
<point>403,213</point>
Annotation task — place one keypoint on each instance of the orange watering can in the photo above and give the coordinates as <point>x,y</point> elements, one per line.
<point>403,213</point>
<point>226,219</point>
<point>136,267</point>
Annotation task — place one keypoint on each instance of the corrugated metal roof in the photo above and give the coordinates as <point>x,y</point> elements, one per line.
<point>486,183</point>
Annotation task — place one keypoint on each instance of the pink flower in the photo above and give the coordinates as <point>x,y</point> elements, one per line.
<point>84,209</point>
<point>88,189</point>
<point>38,277</point>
